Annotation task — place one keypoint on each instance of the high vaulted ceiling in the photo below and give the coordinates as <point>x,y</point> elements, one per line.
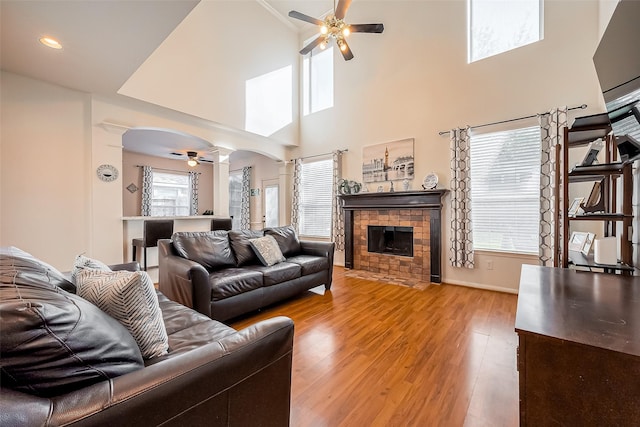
<point>104,41</point>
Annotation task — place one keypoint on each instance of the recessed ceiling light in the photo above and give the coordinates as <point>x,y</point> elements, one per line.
<point>50,42</point>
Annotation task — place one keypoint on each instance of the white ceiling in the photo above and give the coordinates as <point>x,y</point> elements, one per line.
<point>104,43</point>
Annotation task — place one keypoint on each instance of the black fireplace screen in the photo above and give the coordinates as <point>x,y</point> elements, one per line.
<point>390,240</point>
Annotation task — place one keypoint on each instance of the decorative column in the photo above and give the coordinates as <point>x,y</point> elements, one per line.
<point>285,186</point>
<point>221,181</point>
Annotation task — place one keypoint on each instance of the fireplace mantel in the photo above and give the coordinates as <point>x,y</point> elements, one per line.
<point>429,199</point>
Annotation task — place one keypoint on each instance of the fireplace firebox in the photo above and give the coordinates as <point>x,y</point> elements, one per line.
<point>390,240</point>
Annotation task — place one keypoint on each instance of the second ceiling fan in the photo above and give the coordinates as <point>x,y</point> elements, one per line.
<point>334,27</point>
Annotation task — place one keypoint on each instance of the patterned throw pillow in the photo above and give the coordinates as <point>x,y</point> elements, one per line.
<point>83,262</point>
<point>267,250</point>
<point>130,298</point>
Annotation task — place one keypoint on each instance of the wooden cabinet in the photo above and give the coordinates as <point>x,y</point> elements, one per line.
<point>579,348</point>
<point>614,208</point>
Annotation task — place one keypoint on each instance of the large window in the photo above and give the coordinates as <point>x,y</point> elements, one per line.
<point>235,198</point>
<point>316,180</point>
<point>171,194</point>
<point>317,80</point>
<point>496,26</point>
<point>505,190</point>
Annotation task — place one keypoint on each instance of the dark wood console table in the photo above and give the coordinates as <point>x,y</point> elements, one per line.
<point>579,348</point>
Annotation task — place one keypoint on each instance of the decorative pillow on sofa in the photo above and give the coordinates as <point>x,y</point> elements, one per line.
<point>286,238</point>
<point>241,247</point>
<point>267,250</point>
<point>83,263</point>
<point>52,341</point>
<point>211,249</point>
<point>130,298</point>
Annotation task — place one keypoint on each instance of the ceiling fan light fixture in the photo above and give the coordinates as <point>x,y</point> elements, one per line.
<point>346,31</point>
<point>324,29</point>
<point>193,159</point>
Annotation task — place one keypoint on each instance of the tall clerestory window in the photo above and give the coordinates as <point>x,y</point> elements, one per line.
<point>497,26</point>
<point>317,80</point>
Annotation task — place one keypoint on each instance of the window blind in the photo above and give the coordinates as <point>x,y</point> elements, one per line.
<point>171,194</point>
<point>505,190</point>
<point>316,179</point>
<point>235,198</point>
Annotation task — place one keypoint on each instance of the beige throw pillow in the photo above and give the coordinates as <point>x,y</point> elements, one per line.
<point>130,298</point>
<point>267,250</point>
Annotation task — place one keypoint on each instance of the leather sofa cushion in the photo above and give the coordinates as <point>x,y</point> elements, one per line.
<point>233,281</point>
<point>286,238</point>
<point>239,240</point>
<point>310,263</point>
<point>211,249</point>
<point>52,341</point>
<point>28,269</point>
<point>278,273</point>
<point>187,329</point>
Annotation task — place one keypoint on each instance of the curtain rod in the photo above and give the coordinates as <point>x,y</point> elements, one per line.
<point>344,150</point>
<point>168,170</point>
<point>583,106</point>
<point>239,169</point>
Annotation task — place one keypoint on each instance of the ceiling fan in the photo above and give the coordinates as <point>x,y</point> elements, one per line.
<point>192,158</point>
<point>334,27</point>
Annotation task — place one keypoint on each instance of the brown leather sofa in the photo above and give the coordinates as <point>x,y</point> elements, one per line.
<point>218,274</point>
<point>212,375</point>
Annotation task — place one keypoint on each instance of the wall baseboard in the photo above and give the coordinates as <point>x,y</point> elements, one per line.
<point>445,281</point>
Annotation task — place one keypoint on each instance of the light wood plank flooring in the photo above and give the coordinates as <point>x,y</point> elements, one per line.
<point>374,354</point>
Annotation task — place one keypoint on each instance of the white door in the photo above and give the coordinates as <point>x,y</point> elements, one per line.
<point>271,196</point>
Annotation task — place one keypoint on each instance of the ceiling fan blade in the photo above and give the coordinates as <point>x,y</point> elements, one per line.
<point>306,18</point>
<point>308,48</point>
<point>341,9</point>
<point>346,53</point>
<point>366,28</point>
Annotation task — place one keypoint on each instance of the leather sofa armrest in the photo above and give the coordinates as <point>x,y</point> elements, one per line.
<point>237,380</point>
<point>324,249</point>
<point>183,280</point>
<point>128,266</point>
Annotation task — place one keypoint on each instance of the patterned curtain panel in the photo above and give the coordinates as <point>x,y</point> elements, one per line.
<point>245,213</point>
<point>337,218</point>
<point>551,133</point>
<point>147,190</point>
<point>295,196</point>
<point>194,178</point>
<point>461,252</point>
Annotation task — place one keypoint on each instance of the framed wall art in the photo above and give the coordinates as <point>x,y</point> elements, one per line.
<point>390,161</point>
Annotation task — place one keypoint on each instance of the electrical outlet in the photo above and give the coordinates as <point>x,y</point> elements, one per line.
<point>489,265</point>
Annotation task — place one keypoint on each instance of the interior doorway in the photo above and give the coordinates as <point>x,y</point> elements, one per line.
<point>271,201</point>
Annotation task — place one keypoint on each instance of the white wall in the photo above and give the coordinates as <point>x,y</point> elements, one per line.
<point>414,81</point>
<point>46,149</point>
<point>203,66</point>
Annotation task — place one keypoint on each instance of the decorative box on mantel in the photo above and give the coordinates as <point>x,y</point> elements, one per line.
<point>377,227</point>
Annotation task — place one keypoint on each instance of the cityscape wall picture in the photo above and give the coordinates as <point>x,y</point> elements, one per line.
<point>390,161</point>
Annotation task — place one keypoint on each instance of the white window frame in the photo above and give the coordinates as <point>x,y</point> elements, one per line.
<point>315,207</point>
<point>505,195</point>
<point>472,57</point>
<point>235,198</point>
<point>180,206</point>
<point>310,84</point>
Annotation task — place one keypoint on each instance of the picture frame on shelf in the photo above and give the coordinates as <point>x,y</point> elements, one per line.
<point>575,206</point>
<point>588,242</point>
<point>577,241</point>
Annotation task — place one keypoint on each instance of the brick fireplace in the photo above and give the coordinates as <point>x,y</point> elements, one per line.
<point>418,211</point>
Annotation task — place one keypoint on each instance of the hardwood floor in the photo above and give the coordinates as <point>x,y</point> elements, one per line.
<point>373,354</point>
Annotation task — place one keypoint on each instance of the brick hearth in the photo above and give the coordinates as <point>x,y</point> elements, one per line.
<point>416,267</point>
<point>421,210</point>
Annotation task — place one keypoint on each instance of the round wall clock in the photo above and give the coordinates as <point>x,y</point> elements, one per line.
<point>430,181</point>
<point>107,173</point>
